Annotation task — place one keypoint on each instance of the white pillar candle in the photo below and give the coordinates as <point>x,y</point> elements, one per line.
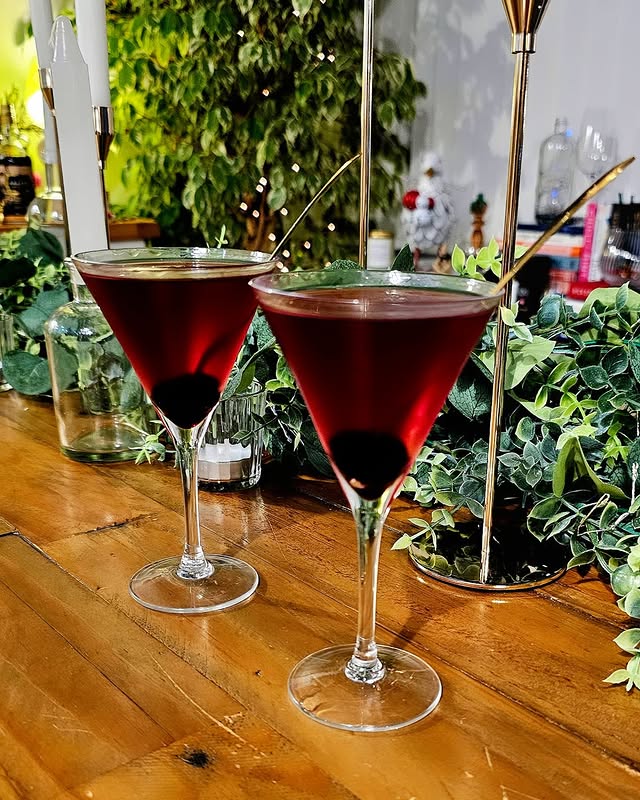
<point>77,141</point>
<point>91,23</point>
<point>42,23</point>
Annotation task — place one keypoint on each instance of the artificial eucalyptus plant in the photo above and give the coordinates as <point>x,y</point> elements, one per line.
<point>239,110</point>
<point>569,454</point>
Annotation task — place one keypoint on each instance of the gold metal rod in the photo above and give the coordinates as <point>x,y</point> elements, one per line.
<point>520,81</point>
<point>313,201</point>
<point>366,111</point>
<point>563,219</point>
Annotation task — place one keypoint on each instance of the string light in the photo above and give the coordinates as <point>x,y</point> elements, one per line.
<point>272,237</point>
<point>256,214</point>
<point>266,92</point>
<point>244,207</point>
<point>331,58</point>
<point>284,212</point>
<point>241,34</point>
<point>295,167</point>
<point>321,56</point>
<point>259,188</point>
<point>286,253</point>
<point>296,13</point>
<point>331,226</point>
<point>307,245</point>
<point>263,181</point>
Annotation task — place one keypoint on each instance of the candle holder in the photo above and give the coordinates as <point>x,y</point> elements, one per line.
<point>105,131</point>
<point>497,557</point>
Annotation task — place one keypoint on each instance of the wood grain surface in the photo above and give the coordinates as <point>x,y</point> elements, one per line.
<point>105,699</point>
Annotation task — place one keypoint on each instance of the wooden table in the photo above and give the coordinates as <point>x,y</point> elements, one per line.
<point>102,699</point>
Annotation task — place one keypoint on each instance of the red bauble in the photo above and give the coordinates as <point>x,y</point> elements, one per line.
<point>409,200</point>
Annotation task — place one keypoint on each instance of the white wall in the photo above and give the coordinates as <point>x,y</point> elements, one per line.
<point>586,56</point>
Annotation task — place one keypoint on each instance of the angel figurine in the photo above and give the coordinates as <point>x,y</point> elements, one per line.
<point>428,214</point>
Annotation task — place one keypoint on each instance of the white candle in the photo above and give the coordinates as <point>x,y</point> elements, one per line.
<point>77,142</point>
<point>91,23</point>
<point>42,22</point>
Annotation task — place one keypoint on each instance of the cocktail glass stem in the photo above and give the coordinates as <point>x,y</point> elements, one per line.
<point>193,564</point>
<point>364,666</point>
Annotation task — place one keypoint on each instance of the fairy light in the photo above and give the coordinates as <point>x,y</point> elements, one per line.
<point>321,56</point>
<point>272,237</point>
<point>331,226</point>
<point>259,188</point>
<point>296,13</point>
<point>255,213</point>
<point>327,263</point>
<point>241,34</point>
<point>266,92</point>
<point>244,207</point>
<point>286,254</point>
<point>331,58</point>
<point>307,245</point>
<point>284,212</point>
<point>263,181</point>
<point>295,167</point>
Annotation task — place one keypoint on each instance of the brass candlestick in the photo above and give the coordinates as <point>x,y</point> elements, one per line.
<point>105,131</point>
<point>365,126</point>
<point>524,564</point>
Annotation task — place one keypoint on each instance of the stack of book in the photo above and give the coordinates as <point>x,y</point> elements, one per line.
<point>574,251</point>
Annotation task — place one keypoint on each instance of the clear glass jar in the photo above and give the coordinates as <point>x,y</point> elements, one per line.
<point>101,409</point>
<point>7,342</point>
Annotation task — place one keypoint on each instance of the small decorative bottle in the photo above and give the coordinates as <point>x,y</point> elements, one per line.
<point>101,409</point>
<point>555,174</point>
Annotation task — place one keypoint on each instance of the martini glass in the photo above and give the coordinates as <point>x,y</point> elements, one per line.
<point>181,315</point>
<point>375,355</point>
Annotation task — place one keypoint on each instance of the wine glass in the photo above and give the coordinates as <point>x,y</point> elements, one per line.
<point>181,315</point>
<point>375,355</point>
<point>597,145</point>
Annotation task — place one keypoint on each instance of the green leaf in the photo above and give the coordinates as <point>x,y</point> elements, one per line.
<point>508,317</point>
<point>403,262</point>
<point>471,396</point>
<point>525,430</point>
<point>618,676</point>
<point>522,357</point>
<point>545,509</point>
<point>15,270</point>
<point>624,579</point>
<point>38,244</point>
<point>458,259</point>
<point>27,373</point>
<point>549,312</point>
<point>34,318</point>
<point>628,640</point>
<point>594,377</point>
<point>572,465</point>
<point>631,603</point>
<point>622,297</point>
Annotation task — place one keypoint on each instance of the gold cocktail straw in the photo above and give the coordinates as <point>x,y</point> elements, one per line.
<point>313,201</point>
<point>563,219</point>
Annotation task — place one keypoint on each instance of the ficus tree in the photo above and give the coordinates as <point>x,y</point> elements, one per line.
<point>236,112</point>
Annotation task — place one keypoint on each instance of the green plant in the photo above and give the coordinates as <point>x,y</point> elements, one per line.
<point>233,108</point>
<point>569,455</point>
<point>33,283</point>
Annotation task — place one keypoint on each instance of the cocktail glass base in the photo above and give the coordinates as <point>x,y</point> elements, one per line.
<point>158,587</point>
<point>408,691</point>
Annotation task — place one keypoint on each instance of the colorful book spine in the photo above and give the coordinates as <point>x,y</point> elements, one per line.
<point>587,244</point>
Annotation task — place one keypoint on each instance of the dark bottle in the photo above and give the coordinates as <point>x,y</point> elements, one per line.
<point>16,176</point>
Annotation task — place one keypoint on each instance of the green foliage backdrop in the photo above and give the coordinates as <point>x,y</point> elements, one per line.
<point>210,96</point>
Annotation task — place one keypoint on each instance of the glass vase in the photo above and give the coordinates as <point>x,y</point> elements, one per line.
<point>102,412</point>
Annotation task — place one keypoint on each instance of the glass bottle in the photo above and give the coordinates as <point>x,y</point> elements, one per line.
<point>555,174</point>
<point>101,410</point>
<point>16,176</point>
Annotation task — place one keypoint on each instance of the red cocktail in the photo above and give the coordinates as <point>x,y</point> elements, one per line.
<point>181,316</point>
<point>375,355</point>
